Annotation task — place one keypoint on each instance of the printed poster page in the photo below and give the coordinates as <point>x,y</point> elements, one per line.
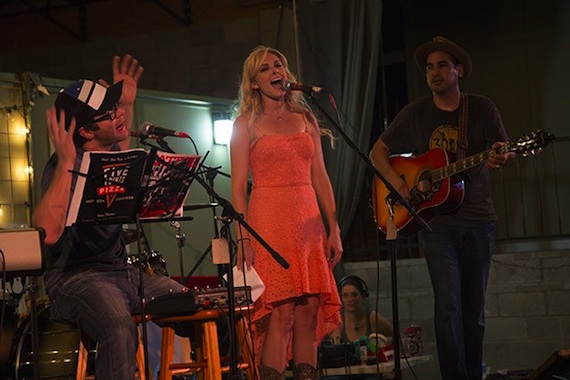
<point>110,190</point>
<point>167,185</point>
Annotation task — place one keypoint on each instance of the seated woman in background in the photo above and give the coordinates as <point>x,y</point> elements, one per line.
<point>357,319</point>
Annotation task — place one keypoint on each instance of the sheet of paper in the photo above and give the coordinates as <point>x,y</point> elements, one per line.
<point>251,279</point>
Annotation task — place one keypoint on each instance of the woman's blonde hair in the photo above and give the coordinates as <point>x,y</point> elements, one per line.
<point>249,100</point>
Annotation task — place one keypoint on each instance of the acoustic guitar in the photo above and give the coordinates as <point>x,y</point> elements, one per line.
<point>435,184</point>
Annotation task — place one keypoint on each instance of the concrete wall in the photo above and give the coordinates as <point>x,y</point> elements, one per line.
<point>527,312</point>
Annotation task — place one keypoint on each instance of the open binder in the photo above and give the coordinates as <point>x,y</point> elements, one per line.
<point>112,187</point>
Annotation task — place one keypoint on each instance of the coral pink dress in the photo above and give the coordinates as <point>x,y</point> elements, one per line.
<point>283,209</point>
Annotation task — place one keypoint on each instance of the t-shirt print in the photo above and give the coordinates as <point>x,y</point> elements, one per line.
<point>445,136</point>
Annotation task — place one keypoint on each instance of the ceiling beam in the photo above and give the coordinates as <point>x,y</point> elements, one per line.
<point>44,11</point>
<point>185,19</point>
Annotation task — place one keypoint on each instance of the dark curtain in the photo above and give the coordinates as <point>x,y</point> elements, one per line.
<point>339,44</point>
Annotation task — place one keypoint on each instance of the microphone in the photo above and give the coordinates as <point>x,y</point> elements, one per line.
<point>288,86</point>
<point>148,129</point>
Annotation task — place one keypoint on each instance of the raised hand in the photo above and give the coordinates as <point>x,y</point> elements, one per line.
<point>51,212</point>
<point>128,70</point>
<point>61,139</point>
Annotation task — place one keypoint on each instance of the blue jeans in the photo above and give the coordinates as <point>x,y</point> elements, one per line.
<point>458,260</point>
<point>100,302</point>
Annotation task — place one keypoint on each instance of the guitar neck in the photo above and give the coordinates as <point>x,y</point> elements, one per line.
<point>466,163</point>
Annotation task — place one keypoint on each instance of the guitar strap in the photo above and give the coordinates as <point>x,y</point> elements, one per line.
<point>462,143</point>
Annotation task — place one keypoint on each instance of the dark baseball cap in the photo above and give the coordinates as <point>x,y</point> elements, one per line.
<point>86,99</point>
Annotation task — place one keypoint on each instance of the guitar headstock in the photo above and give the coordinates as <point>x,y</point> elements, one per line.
<point>531,143</point>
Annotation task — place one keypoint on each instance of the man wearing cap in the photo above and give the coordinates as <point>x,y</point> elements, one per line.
<point>87,277</point>
<point>459,248</point>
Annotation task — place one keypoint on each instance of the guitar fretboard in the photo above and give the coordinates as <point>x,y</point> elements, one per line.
<point>466,163</point>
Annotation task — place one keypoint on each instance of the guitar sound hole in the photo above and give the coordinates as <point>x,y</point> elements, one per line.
<point>424,184</point>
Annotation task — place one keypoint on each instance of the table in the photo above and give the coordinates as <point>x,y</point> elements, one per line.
<point>383,368</point>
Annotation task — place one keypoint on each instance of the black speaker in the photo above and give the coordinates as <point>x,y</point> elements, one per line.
<point>22,252</point>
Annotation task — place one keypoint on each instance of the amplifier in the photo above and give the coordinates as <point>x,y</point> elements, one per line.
<point>23,251</point>
<point>194,300</point>
<point>172,304</point>
<point>337,355</point>
<point>218,297</point>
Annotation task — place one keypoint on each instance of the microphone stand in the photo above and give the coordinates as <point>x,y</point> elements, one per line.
<point>391,235</point>
<point>142,299</point>
<point>210,176</point>
<point>164,145</point>
<point>181,240</point>
<point>222,268</point>
<point>159,140</point>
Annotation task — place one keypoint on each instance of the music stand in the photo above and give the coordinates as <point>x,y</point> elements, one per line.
<point>24,254</point>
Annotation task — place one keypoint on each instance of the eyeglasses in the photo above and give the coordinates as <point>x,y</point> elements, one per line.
<point>109,115</point>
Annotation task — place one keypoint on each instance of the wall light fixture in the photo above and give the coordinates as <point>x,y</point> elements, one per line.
<point>222,125</point>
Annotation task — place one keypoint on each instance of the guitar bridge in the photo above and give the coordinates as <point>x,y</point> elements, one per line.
<point>419,197</point>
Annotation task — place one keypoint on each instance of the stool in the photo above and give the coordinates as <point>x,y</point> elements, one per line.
<point>207,353</point>
<point>83,354</point>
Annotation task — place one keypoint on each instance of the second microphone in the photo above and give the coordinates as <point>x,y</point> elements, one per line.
<point>148,129</point>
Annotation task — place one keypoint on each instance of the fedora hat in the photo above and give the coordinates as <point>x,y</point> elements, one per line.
<point>443,44</point>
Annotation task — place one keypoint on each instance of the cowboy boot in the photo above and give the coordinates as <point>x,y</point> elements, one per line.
<point>269,373</point>
<point>304,371</point>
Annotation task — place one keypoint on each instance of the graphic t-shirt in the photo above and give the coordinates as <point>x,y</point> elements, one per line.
<point>421,126</point>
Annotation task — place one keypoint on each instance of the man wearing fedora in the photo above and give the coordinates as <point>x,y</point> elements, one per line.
<point>458,249</point>
<point>87,278</point>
